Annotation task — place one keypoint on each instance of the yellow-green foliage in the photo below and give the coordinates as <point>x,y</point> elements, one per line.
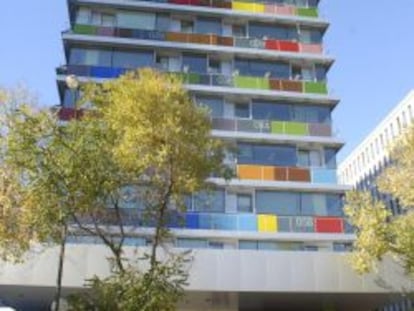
<point>378,232</point>
<point>143,129</point>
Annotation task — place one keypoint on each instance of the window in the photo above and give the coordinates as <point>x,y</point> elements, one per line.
<point>242,110</point>
<point>320,73</point>
<point>132,60</point>
<point>136,20</point>
<point>277,203</point>
<point>215,105</point>
<point>108,20</point>
<point>309,158</point>
<point>162,22</point>
<point>90,57</point>
<point>262,154</point>
<point>215,245</point>
<point>261,68</point>
<point>270,111</point>
<point>83,16</point>
<point>248,245</point>
<point>194,63</point>
<point>162,62</point>
<point>239,30</point>
<point>209,201</point>
<point>271,31</point>
<point>187,26</point>
<point>313,204</point>
<point>208,25</point>
<point>214,65</point>
<point>244,203</point>
<point>191,243</point>
<point>330,158</point>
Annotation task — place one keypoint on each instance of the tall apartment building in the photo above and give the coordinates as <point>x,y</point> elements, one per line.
<point>273,238</point>
<point>363,165</point>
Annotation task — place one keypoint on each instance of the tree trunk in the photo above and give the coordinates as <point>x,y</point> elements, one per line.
<point>60,267</point>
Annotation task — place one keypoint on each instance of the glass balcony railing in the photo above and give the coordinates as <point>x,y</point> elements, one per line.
<point>266,7</point>
<point>243,82</point>
<point>243,222</point>
<point>293,174</point>
<point>207,39</point>
<point>271,127</point>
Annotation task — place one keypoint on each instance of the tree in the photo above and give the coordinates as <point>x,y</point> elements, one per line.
<point>142,133</point>
<point>378,232</point>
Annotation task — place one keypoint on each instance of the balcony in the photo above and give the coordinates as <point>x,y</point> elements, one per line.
<point>271,127</point>
<point>206,39</point>
<point>293,174</point>
<point>242,82</point>
<point>249,6</point>
<point>249,222</point>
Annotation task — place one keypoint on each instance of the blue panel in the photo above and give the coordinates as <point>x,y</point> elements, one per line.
<point>175,220</point>
<point>323,176</point>
<point>103,72</point>
<point>224,222</point>
<point>79,70</point>
<point>284,224</point>
<point>192,221</point>
<point>205,221</point>
<point>247,222</point>
<point>156,35</point>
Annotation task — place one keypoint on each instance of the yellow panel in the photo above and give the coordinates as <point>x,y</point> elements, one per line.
<point>259,8</point>
<point>249,171</point>
<point>243,6</point>
<point>267,223</point>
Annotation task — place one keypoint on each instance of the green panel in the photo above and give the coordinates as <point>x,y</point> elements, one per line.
<point>263,83</point>
<point>245,82</point>
<point>193,78</point>
<point>84,29</point>
<point>316,87</point>
<point>278,127</point>
<point>296,128</point>
<point>308,12</point>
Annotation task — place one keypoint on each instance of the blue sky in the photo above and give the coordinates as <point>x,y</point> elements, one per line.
<point>371,40</point>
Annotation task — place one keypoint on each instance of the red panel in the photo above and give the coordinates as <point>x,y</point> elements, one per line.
<point>272,45</point>
<point>289,46</point>
<point>66,114</point>
<point>179,1</point>
<point>329,225</point>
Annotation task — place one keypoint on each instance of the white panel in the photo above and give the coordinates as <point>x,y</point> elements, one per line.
<point>174,64</point>
<point>231,203</point>
<point>226,68</point>
<point>228,110</point>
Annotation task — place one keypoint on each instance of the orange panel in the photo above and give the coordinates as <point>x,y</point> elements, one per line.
<point>176,37</point>
<point>249,171</point>
<point>269,173</point>
<point>298,174</point>
<point>228,41</point>
<point>275,84</point>
<point>281,173</point>
<point>292,86</point>
<point>197,38</point>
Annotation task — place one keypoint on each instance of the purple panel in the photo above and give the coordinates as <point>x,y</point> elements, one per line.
<point>224,124</point>
<point>105,31</point>
<point>316,129</point>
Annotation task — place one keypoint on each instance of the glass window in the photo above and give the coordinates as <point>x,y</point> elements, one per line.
<point>214,65</point>
<point>96,18</point>
<point>187,26</point>
<point>330,158</point>
<point>260,30</point>
<point>278,203</point>
<point>209,201</point>
<point>191,243</point>
<point>83,16</point>
<point>248,245</point>
<point>195,63</point>
<point>244,203</point>
<point>267,154</point>
<point>162,22</point>
<point>132,60</point>
<point>270,111</point>
<point>261,68</point>
<point>215,245</point>
<point>335,204</point>
<point>90,57</point>
<point>239,30</point>
<point>136,20</point>
<point>215,104</point>
<point>208,25</point>
<point>320,73</point>
<point>313,204</point>
<point>108,20</point>
<point>242,110</point>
